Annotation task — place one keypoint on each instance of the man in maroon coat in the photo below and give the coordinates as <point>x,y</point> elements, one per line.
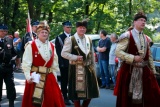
<point>136,84</point>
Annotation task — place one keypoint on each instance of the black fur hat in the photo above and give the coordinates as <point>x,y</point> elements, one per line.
<point>140,15</point>
<point>82,23</point>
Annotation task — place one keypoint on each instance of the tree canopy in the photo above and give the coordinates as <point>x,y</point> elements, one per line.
<point>111,15</point>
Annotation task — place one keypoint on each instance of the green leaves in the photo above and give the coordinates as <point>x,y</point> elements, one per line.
<point>111,15</point>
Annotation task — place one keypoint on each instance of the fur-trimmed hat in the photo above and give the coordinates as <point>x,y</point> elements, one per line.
<point>43,25</point>
<point>82,23</point>
<point>140,15</point>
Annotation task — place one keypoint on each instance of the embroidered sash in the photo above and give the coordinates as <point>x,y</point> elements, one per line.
<point>39,88</point>
<point>80,79</point>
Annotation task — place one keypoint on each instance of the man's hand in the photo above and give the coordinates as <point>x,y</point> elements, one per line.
<point>30,81</point>
<point>101,49</point>
<point>138,58</point>
<point>79,58</point>
<point>19,40</point>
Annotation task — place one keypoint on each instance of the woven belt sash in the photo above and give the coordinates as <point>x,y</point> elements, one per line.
<point>135,86</point>
<point>39,88</point>
<point>81,77</point>
<point>80,80</point>
<point>85,63</point>
<point>140,64</point>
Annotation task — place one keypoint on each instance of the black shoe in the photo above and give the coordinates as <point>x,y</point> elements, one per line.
<point>102,86</point>
<point>67,102</point>
<point>112,88</point>
<point>107,87</point>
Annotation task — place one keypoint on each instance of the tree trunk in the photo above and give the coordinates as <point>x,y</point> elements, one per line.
<point>86,9</point>
<point>130,7</point>
<point>44,15</point>
<point>37,14</point>
<point>99,21</point>
<point>6,11</point>
<point>31,8</point>
<point>50,17</point>
<point>15,10</point>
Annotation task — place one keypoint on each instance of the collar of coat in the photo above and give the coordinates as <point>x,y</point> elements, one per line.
<point>87,43</point>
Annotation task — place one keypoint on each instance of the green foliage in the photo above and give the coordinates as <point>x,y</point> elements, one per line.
<point>111,15</point>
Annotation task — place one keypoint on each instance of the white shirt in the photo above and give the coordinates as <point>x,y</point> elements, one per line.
<point>112,55</point>
<point>68,35</point>
<point>45,52</point>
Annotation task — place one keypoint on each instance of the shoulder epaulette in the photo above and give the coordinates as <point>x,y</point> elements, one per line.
<point>123,36</point>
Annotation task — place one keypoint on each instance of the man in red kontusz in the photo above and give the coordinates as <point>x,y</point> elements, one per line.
<point>136,85</point>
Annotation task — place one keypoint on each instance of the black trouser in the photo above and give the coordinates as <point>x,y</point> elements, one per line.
<point>6,74</point>
<point>64,81</point>
<point>1,86</point>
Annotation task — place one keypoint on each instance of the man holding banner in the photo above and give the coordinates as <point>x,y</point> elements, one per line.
<point>31,33</point>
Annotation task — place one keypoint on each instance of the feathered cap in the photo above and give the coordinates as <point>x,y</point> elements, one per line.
<point>82,23</point>
<point>140,15</point>
<point>43,25</point>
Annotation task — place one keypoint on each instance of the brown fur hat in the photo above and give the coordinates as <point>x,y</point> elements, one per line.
<point>43,25</point>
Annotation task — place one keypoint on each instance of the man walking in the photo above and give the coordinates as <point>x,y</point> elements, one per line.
<point>29,37</point>
<point>63,63</point>
<point>82,79</point>
<point>136,85</point>
<point>7,53</point>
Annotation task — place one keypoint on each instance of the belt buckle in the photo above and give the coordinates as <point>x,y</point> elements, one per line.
<point>48,70</point>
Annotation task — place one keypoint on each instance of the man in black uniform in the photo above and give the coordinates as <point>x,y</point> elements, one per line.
<point>7,53</point>
<point>63,63</point>
<point>28,37</point>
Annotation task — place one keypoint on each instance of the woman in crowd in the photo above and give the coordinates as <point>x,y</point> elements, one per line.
<point>39,65</point>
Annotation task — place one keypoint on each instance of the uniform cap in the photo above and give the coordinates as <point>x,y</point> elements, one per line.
<point>67,23</point>
<point>35,23</point>
<point>3,27</point>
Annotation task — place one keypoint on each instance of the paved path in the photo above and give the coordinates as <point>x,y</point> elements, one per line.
<point>106,98</point>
